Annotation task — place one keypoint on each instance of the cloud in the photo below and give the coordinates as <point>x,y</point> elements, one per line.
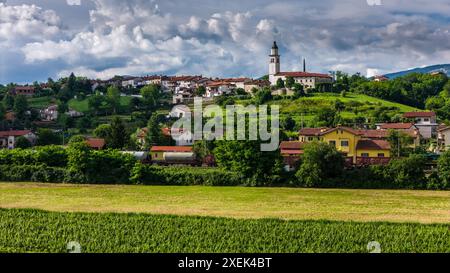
<point>229,38</point>
<point>73,2</point>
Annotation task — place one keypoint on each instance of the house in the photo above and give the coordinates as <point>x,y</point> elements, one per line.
<point>96,143</point>
<point>358,146</point>
<point>180,111</point>
<point>8,138</point>
<point>24,90</point>
<point>166,155</point>
<point>444,138</point>
<point>181,136</point>
<point>291,152</point>
<point>307,79</point>
<point>255,84</point>
<point>50,113</point>
<point>133,82</point>
<point>218,88</point>
<point>426,122</point>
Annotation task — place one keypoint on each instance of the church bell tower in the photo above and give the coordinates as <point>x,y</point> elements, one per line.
<point>274,60</point>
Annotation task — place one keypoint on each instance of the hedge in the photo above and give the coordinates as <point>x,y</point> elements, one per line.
<point>155,175</point>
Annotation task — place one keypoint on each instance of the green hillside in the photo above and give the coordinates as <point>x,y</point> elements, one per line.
<point>356,105</point>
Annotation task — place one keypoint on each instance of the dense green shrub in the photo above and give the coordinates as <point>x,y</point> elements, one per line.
<point>443,181</point>
<point>408,172</point>
<point>55,156</point>
<point>31,173</point>
<point>155,175</point>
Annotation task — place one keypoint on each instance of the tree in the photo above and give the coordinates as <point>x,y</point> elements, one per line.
<point>320,162</point>
<point>150,93</point>
<point>8,101</point>
<point>113,97</point>
<point>408,172</point>
<point>263,96</point>
<point>47,137</point>
<point>290,81</point>
<point>201,90</point>
<point>288,124</point>
<point>399,142</point>
<point>20,106</point>
<point>246,158</point>
<point>95,102</point>
<point>103,131</point>
<point>444,170</point>
<point>298,90</point>
<point>83,124</point>
<point>154,135</point>
<point>76,139</point>
<point>23,143</point>
<point>280,83</point>
<point>339,106</point>
<point>326,116</point>
<point>119,135</point>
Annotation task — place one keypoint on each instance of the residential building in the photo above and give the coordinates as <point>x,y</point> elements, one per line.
<point>179,111</point>
<point>218,88</point>
<point>380,78</point>
<point>172,155</point>
<point>426,122</point>
<point>50,113</point>
<point>255,84</point>
<point>291,152</point>
<point>181,136</point>
<point>8,139</point>
<point>28,91</point>
<point>444,138</point>
<point>358,146</point>
<point>96,143</point>
<point>307,79</point>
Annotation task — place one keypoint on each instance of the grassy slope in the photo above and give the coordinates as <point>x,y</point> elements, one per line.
<point>38,231</point>
<point>83,105</point>
<point>41,102</point>
<point>311,104</point>
<point>236,202</point>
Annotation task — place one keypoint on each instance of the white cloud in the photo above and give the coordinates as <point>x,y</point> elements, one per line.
<point>73,2</point>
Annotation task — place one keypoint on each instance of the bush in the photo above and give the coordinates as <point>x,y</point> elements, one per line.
<point>408,173</point>
<point>31,173</point>
<point>154,175</point>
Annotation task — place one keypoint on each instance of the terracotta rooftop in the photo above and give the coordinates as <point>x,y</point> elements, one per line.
<point>303,74</point>
<point>179,149</point>
<point>419,114</point>
<point>367,144</point>
<point>312,131</point>
<point>388,126</point>
<point>16,133</point>
<point>96,143</point>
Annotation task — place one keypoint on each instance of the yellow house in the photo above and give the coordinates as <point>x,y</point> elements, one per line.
<point>354,144</point>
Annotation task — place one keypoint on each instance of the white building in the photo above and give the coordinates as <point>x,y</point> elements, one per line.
<point>8,139</point>
<point>307,79</point>
<point>180,111</point>
<point>425,121</point>
<point>444,138</point>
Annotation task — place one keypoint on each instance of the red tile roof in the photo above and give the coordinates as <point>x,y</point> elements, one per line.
<point>350,130</point>
<point>374,133</point>
<point>292,145</point>
<point>368,144</point>
<point>303,74</point>
<point>398,126</point>
<point>17,133</point>
<point>96,143</point>
<point>177,149</point>
<point>419,114</point>
<point>312,131</point>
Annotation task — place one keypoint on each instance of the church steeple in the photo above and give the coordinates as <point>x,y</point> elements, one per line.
<point>274,60</point>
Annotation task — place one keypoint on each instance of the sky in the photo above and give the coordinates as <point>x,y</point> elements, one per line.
<point>103,38</point>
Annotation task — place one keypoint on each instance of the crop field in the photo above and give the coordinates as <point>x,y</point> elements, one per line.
<point>39,231</point>
<point>234,202</point>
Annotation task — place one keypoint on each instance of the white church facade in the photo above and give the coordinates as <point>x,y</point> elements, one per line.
<point>307,79</point>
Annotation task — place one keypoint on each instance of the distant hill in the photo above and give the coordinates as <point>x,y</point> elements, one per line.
<point>429,69</point>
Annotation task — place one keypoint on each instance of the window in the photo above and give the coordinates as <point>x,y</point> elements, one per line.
<point>156,155</point>
<point>426,120</point>
<point>364,155</point>
<point>381,155</point>
<point>310,138</point>
<point>344,143</point>
<point>333,143</point>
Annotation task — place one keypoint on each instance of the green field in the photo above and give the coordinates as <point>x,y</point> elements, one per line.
<point>38,231</point>
<point>41,102</point>
<point>83,105</point>
<point>306,107</point>
<point>234,202</point>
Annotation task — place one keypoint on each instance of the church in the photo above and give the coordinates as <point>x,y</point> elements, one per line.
<point>307,79</point>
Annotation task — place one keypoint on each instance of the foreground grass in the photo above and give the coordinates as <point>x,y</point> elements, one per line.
<point>39,231</point>
<point>234,202</point>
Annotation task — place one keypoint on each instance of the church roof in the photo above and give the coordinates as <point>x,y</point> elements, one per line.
<point>302,75</point>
